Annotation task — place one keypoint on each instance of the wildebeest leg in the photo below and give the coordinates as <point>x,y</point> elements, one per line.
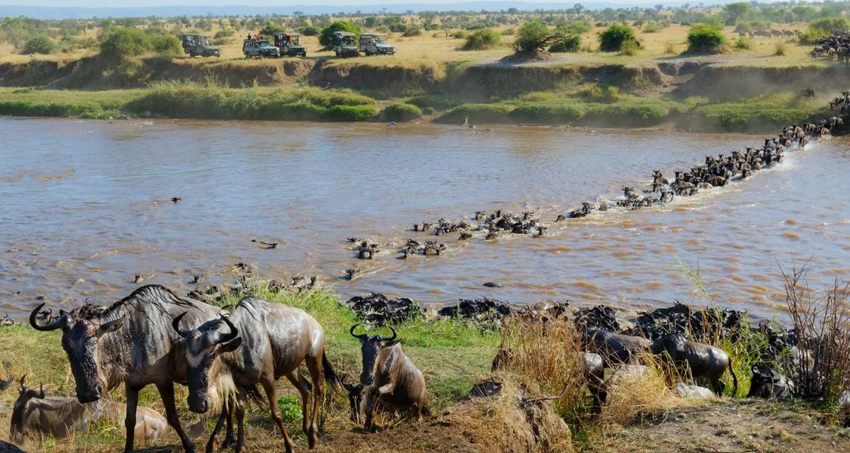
<point>271,392</point>
<point>166,392</point>
<point>221,418</point>
<point>229,438</point>
<point>717,385</point>
<point>240,422</point>
<point>305,400</point>
<point>130,419</point>
<point>314,365</point>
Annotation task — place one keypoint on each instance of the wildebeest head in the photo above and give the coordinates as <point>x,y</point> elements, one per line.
<point>25,394</point>
<point>80,338</point>
<point>203,346</point>
<point>369,347</point>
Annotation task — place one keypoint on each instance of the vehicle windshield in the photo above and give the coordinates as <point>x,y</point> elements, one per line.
<point>265,44</point>
<point>381,41</point>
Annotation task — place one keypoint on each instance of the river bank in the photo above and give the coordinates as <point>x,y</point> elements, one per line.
<point>691,95</point>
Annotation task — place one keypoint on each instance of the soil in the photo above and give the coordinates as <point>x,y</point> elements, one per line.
<point>732,427</point>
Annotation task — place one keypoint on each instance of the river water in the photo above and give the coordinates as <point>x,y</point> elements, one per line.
<point>86,206</point>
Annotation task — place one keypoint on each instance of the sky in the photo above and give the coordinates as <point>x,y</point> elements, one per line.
<point>144,3</point>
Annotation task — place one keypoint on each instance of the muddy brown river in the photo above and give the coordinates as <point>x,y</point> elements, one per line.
<point>86,207</point>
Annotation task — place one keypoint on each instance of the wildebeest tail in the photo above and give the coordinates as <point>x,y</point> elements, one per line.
<point>734,379</point>
<point>330,375</point>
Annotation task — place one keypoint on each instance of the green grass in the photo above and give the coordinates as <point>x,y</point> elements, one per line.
<point>757,113</point>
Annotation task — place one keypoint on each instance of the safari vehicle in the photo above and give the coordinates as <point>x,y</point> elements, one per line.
<point>344,46</point>
<point>260,48</point>
<point>375,44</point>
<point>289,44</point>
<point>195,45</point>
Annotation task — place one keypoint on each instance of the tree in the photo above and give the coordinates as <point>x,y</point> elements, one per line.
<point>326,37</point>
<point>736,11</point>
<point>534,35</point>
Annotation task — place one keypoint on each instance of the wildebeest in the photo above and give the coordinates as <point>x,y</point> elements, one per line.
<point>765,384</point>
<point>62,416</point>
<point>5,384</point>
<point>394,380</point>
<point>131,343</point>
<point>703,360</point>
<point>264,342</point>
<point>614,347</point>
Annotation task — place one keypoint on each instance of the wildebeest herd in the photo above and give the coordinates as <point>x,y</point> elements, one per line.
<point>835,47</point>
<point>155,337</point>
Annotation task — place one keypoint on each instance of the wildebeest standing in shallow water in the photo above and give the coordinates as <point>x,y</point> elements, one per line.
<point>132,343</point>
<point>264,341</point>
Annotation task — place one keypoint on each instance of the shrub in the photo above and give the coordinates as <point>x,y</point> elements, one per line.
<point>39,44</point>
<point>412,30</point>
<point>326,37</point>
<point>221,34</point>
<point>432,27</point>
<point>670,47</point>
<point>271,29</point>
<point>629,48</point>
<point>402,112</point>
<point>478,113</point>
<point>460,34</point>
<point>309,31</point>
<point>482,39</point>
<point>166,44</point>
<point>508,32</point>
<point>398,28</point>
<point>546,114</point>
<point>125,42</point>
<point>534,35</point>
<point>290,408</point>
<point>830,24</point>
<point>781,49</point>
<point>612,39</point>
<point>577,27</point>
<point>651,27</point>
<point>351,113</point>
<point>571,43</point>
<point>704,38</point>
<point>429,111</point>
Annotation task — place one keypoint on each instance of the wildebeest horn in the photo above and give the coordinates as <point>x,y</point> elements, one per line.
<point>234,332</point>
<point>176,325</point>
<point>395,334</point>
<point>23,383</point>
<point>362,335</point>
<point>60,322</point>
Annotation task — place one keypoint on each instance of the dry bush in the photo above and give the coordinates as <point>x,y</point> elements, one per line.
<point>781,49</point>
<point>633,395</point>
<point>550,355</point>
<point>822,324</point>
<point>670,48</point>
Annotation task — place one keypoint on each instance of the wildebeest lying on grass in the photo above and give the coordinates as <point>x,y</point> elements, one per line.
<point>130,343</point>
<point>264,342</point>
<point>703,360</point>
<point>392,378</point>
<point>62,416</point>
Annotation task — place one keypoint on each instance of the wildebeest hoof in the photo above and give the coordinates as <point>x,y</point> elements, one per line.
<point>493,285</point>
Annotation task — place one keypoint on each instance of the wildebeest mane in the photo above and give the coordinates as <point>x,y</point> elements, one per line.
<point>156,296</point>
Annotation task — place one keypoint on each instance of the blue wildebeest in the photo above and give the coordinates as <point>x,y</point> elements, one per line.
<point>703,360</point>
<point>263,342</point>
<point>62,416</point>
<point>131,343</point>
<point>394,380</point>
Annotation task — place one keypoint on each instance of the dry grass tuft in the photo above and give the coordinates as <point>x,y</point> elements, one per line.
<point>670,48</point>
<point>781,49</point>
<point>638,393</point>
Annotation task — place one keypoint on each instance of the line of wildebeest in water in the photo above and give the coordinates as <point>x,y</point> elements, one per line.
<point>155,337</point>
<point>716,171</point>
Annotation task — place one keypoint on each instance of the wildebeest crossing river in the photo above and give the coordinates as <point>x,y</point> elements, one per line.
<point>86,206</point>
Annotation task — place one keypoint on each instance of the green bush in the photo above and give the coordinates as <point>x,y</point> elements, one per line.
<point>223,34</point>
<point>577,27</point>
<point>612,39</point>
<point>830,24</point>
<point>350,113</point>
<point>571,43</point>
<point>309,31</point>
<point>533,36</point>
<point>434,101</point>
<point>429,111</point>
<point>478,113</point>
<point>326,37</point>
<point>412,30</point>
<point>398,28</point>
<point>508,32</point>
<point>166,44</point>
<point>704,38</point>
<point>124,42</point>
<point>546,114</point>
<point>482,39</point>
<point>651,27</point>
<point>290,408</point>
<point>402,112</point>
<point>460,34</point>
<point>271,29</point>
<point>743,43</point>
<point>811,36</point>
<point>39,44</point>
